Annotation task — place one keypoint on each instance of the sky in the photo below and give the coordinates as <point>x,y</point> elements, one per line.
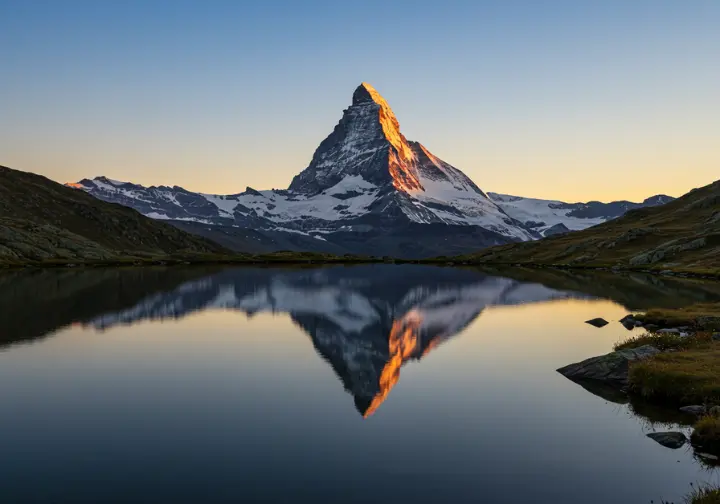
<point>562,99</point>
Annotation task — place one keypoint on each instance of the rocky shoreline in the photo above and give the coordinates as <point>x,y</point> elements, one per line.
<point>668,336</point>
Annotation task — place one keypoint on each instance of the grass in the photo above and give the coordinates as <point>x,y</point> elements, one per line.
<point>684,377</point>
<point>704,494</point>
<point>664,341</point>
<point>706,434</point>
<point>689,316</point>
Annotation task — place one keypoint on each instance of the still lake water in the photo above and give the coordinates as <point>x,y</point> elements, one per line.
<point>374,384</point>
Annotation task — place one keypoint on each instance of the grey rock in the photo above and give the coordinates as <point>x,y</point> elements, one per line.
<point>716,336</point>
<point>694,409</point>
<point>672,440</point>
<point>668,331</point>
<point>597,322</point>
<point>611,368</point>
<point>557,229</point>
<point>706,456</point>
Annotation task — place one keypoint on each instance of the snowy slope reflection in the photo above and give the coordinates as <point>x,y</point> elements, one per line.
<point>366,321</point>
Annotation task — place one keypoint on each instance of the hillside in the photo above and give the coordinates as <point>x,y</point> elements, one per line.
<point>41,220</point>
<point>681,234</point>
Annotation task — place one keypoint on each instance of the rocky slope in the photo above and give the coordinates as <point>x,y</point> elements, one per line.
<point>684,233</point>
<point>42,220</point>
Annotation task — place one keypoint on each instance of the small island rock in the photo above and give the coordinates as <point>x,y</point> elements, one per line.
<point>597,322</point>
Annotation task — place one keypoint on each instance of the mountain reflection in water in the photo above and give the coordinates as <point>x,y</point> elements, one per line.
<point>365,321</point>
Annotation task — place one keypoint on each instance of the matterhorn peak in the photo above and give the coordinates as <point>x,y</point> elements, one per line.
<point>366,93</point>
<point>365,182</point>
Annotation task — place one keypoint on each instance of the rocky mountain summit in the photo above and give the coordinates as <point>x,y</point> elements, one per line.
<point>367,190</point>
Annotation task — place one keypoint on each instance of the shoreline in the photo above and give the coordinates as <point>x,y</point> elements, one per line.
<point>316,259</point>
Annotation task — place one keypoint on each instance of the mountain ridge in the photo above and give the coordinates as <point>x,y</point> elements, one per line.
<point>681,234</point>
<point>42,220</point>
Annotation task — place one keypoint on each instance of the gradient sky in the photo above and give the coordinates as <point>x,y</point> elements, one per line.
<point>566,99</point>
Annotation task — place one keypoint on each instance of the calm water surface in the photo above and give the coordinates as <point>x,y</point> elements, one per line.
<point>366,384</point>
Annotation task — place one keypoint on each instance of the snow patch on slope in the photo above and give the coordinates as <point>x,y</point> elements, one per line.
<point>537,210</point>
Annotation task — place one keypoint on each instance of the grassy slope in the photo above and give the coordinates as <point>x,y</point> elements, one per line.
<point>42,220</point>
<point>682,234</point>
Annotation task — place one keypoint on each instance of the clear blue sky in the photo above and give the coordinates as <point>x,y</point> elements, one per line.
<point>593,99</point>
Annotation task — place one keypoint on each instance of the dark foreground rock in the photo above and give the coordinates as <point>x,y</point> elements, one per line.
<point>629,322</point>
<point>611,368</point>
<point>672,440</point>
<point>597,322</point>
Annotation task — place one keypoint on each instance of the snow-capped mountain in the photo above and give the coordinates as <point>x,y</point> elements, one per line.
<point>367,190</point>
<point>549,217</point>
<point>367,322</point>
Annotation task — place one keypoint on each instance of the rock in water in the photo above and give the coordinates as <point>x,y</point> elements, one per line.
<point>611,368</point>
<point>597,322</point>
<point>672,440</point>
<point>695,409</point>
<point>629,322</point>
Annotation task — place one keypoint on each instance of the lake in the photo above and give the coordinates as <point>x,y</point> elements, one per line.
<point>376,383</point>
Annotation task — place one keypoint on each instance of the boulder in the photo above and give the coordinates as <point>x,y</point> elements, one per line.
<point>668,331</point>
<point>629,322</point>
<point>672,440</point>
<point>716,336</point>
<point>695,409</point>
<point>611,368</point>
<point>597,322</point>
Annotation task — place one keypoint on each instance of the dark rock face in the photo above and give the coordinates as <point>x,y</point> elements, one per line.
<point>673,440</point>
<point>615,209</point>
<point>357,146</point>
<point>611,368</point>
<point>557,229</point>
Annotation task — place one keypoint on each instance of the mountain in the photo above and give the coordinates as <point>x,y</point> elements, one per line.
<point>42,220</point>
<point>549,217</point>
<point>682,234</point>
<point>367,190</point>
<point>367,322</point>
